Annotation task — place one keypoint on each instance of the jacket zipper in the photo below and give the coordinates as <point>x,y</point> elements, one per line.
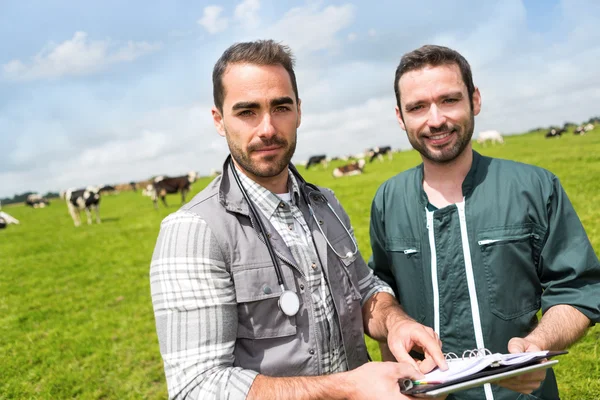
<point>434,277</point>
<point>487,242</point>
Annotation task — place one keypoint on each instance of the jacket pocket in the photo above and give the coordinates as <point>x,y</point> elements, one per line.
<point>407,268</point>
<point>257,293</point>
<point>508,254</point>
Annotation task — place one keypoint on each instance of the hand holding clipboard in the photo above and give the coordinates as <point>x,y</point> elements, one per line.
<point>476,368</point>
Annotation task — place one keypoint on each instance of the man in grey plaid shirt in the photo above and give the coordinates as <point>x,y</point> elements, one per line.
<point>216,290</point>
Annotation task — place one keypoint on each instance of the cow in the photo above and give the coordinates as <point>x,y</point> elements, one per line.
<point>379,152</point>
<point>36,201</point>
<point>109,189</point>
<point>555,133</point>
<point>83,199</point>
<point>491,136</point>
<point>588,127</point>
<point>580,130</point>
<point>319,159</point>
<point>8,219</point>
<point>354,168</point>
<point>163,185</point>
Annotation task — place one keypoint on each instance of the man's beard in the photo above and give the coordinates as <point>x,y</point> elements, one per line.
<point>447,155</point>
<point>275,165</point>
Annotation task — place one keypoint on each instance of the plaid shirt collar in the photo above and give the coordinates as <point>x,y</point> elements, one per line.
<point>264,198</point>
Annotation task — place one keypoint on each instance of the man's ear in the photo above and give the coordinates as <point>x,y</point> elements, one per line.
<point>299,114</point>
<point>399,118</point>
<point>476,101</point>
<point>218,121</point>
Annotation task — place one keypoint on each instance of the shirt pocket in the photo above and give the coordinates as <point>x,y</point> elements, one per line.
<point>407,267</point>
<point>257,293</point>
<point>508,255</point>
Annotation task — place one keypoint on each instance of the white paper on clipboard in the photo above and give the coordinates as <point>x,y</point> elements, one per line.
<point>486,379</point>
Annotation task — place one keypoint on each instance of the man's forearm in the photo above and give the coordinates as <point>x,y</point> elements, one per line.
<point>560,327</point>
<point>335,387</point>
<point>379,313</point>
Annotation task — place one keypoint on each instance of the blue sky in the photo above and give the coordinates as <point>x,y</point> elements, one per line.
<point>108,92</point>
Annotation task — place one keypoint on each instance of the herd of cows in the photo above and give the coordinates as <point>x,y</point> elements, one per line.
<point>88,200</point>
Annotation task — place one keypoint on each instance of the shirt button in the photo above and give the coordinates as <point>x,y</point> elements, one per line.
<point>290,227</point>
<point>314,266</point>
<point>311,351</point>
<point>301,286</point>
<point>281,205</point>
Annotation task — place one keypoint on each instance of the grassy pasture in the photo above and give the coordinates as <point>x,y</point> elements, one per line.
<point>76,317</point>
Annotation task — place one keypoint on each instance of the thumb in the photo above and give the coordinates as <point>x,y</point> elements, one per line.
<point>517,345</point>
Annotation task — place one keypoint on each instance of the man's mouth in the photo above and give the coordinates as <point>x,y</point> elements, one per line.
<point>440,135</point>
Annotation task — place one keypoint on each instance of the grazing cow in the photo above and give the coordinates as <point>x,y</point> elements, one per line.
<point>588,127</point>
<point>580,130</point>
<point>164,185</point>
<point>314,160</point>
<point>36,201</point>
<point>8,219</point>
<point>555,132</point>
<point>83,199</point>
<point>379,152</point>
<point>108,189</point>
<point>354,168</point>
<point>491,136</point>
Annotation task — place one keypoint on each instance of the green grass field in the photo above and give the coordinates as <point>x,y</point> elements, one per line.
<point>76,317</point>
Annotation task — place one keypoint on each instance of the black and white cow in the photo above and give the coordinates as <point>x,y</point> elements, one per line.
<point>36,201</point>
<point>555,132</point>
<point>379,152</point>
<point>87,199</point>
<point>164,185</point>
<point>6,220</point>
<point>354,168</point>
<point>319,159</point>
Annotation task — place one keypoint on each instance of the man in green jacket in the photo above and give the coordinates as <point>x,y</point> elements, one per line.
<point>474,246</point>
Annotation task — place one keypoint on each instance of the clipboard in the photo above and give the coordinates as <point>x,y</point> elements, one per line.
<point>488,375</point>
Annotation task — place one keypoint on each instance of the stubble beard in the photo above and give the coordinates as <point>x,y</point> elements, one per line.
<point>447,155</point>
<point>274,164</point>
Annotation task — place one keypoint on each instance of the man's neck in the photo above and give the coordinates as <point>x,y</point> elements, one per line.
<point>443,182</point>
<point>276,184</point>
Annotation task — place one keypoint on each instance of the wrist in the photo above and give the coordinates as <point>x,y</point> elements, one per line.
<point>344,385</point>
<point>395,317</point>
<point>536,341</point>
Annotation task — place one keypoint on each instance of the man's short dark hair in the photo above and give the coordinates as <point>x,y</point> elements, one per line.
<point>432,55</point>
<point>260,52</point>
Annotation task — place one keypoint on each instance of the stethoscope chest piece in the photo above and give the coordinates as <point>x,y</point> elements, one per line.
<point>289,303</point>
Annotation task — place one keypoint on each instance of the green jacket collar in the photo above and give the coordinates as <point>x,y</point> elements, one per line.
<point>473,178</point>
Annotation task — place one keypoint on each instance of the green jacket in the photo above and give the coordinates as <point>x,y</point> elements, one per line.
<point>478,272</point>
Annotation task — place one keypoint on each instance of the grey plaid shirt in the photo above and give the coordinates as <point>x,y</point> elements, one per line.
<point>190,290</point>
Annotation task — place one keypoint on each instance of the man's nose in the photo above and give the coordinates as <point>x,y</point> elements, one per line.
<point>266,129</point>
<point>436,117</point>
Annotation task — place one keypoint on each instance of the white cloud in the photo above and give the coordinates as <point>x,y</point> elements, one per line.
<point>247,13</point>
<point>372,32</point>
<point>311,29</point>
<point>76,56</point>
<point>212,21</point>
<point>352,37</point>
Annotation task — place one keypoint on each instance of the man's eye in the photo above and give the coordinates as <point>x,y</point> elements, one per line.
<point>450,101</point>
<point>415,108</point>
<point>245,113</point>
<point>282,109</point>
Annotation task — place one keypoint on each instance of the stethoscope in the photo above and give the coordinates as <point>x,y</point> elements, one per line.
<point>289,302</point>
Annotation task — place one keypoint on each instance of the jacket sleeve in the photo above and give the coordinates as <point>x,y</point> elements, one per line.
<point>196,312</point>
<point>570,270</point>
<point>379,261</point>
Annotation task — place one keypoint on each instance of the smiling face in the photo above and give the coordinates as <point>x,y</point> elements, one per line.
<point>436,113</point>
<point>260,118</point>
